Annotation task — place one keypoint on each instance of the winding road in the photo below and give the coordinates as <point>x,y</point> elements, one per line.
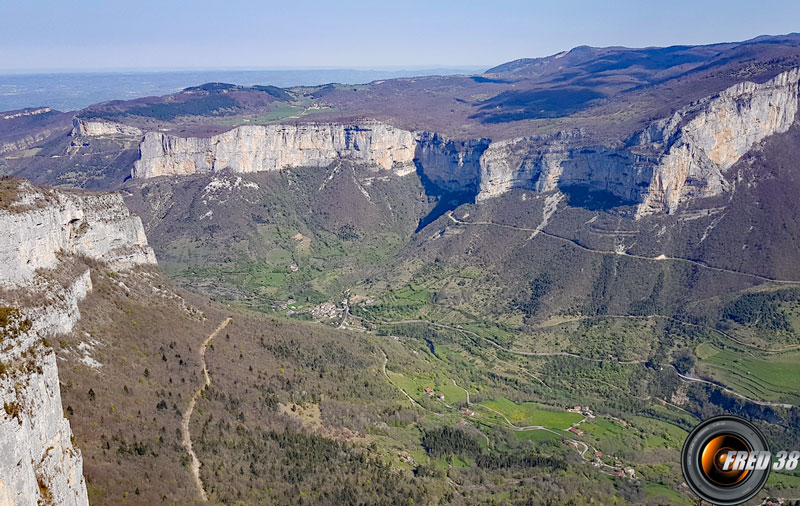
<point>516,352</point>
<point>386,361</point>
<point>661,258</point>
<point>622,362</point>
<point>187,415</point>
<point>581,447</point>
<point>690,379</point>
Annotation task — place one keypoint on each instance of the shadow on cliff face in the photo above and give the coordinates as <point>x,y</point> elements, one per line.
<point>582,196</point>
<point>594,199</point>
<point>445,200</point>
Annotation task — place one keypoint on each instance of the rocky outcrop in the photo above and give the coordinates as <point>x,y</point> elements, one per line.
<point>38,463</point>
<point>255,148</point>
<point>26,113</point>
<point>27,141</point>
<point>85,127</point>
<point>700,142</point>
<point>42,232</point>
<point>28,128</point>
<point>451,165</point>
<point>672,160</point>
<point>547,163</point>
<point>44,224</point>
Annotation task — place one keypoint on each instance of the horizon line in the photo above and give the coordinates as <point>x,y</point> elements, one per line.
<point>153,70</point>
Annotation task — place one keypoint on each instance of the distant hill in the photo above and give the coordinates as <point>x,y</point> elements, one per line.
<point>521,286</point>
<point>72,91</point>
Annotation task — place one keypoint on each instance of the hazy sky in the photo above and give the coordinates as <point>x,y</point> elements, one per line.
<point>155,34</point>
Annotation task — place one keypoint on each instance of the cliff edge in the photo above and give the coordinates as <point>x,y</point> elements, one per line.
<point>668,162</point>
<point>46,239</point>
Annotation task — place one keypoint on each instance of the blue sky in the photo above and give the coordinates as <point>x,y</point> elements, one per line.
<point>165,34</point>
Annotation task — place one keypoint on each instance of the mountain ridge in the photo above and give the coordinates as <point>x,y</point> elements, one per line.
<point>428,282</point>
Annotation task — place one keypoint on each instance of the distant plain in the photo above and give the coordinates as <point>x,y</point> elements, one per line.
<point>69,91</point>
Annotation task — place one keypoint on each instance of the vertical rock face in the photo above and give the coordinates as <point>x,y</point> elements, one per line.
<point>451,165</point>
<point>275,147</point>
<point>670,161</point>
<point>546,164</point>
<point>521,163</point>
<point>702,141</point>
<point>44,224</point>
<point>38,464</point>
<point>38,231</point>
<point>82,127</point>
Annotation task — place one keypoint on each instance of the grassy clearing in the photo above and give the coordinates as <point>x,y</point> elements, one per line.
<point>280,113</point>
<point>772,379</point>
<point>531,413</point>
<point>492,331</point>
<point>452,393</point>
<point>535,435</point>
<point>670,412</point>
<point>782,480</point>
<point>660,434</point>
<point>411,294</point>
<point>705,351</point>
<point>602,429</point>
<point>658,490</point>
<point>415,386</point>
<point>401,304</point>
<point>279,256</point>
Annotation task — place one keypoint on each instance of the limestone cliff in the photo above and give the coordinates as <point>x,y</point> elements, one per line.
<point>24,142</point>
<point>45,224</point>
<point>701,141</point>
<point>82,127</point>
<point>451,165</point>
<point>27,128</point>
<point>670,161</point>
<point>42,232</point>
<point>38,463</point>
<point>256,148</point>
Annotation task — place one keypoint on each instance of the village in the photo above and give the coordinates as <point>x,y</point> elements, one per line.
<point>604,463</point>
